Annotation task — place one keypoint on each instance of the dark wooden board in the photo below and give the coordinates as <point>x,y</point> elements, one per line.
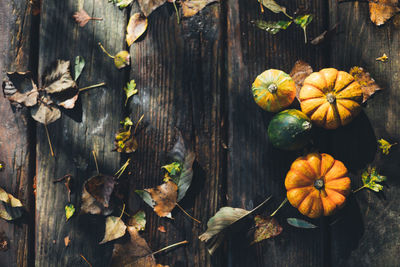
<point>367,230</point>
<point>91,126</point>
<point>17,41</point>
<point>178,70</point>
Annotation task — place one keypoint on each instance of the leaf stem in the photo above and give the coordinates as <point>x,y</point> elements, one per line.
<point>362,187</point>
<point>93,18</point>
<point>287,15</point>
<point>123,211</point>
<point>261,6</point>
<point>105,51</point>
<point>95,161</point>
<point>86,260</point>
<point>122,169</point>
<point>170,246</point>
<point>279,207</point>
<point>92,86</point>
<point>187,214</point>
<point>49,140</point>
<point>305,35</point>
<point>137,124</point>
<point>177,12</point>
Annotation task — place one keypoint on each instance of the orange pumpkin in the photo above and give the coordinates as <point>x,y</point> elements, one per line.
<point>331,98</point>
<point>273,90</point>
<point>317,185</point>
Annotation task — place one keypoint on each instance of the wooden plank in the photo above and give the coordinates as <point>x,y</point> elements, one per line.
<point>178,68</point>
<point>367,233</point>
<point>75,136</point>
<point>255,169</point>
<point>16,150</point>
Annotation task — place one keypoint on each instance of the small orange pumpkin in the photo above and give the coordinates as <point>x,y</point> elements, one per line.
<point>317,185</point>
<point>274,90</point>
<point>331,98</point>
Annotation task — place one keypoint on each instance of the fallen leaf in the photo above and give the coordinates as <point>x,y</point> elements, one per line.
<point>272,27</point>
<point>135,253</point>
<point>69,211</point>
<point>126,122</point>
<point>371,179</point>
<point>266,227</point>
<point>383,58</point>
<point>115,228</point>
<point>368,84</point>
<point>148,6</point>
<point>137,25</point>
<point>165,197</point>
<point>79,65</point>
<point>130,90</point>
<point>221,222</point>
<point>96,194</point>
<point>192,7</point>
<point>274,7</point>
<point>300,223</point>
<point>46,112</point>
<point>10,207</point>
<point>385,146</point>
<point>125,141</point>
<point>20,89</point>
<point>161,229</point>
<point>300,71</point>
<point>67,241</point>
<point>122,59</point>
<point>82,17</point>
<point>3,242</point>
<point>303,22</point>
<point>382,10</point>
<point>324,35</point>
<point>138,221</point>
<point>121,3</point>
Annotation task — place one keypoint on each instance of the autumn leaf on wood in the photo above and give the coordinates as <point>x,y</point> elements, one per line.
<point>368,84</point>
<point>299,223</point>
<point>79,65</point>
<point>300,71</point>
<point>383,58</point>
<point>272,27</point>
<point>265,228</point>
<point>165,198</point>
<point>96,194</point>
<point>122,59</point>
<point>20,89</point>
<point>192,7</point>
<point>138,221</point>
<point>303,22</point>
<point>137,25</point>
<point>371,179</point>
<point>69,211</point>
<point>223,221</point>
<point>115,228</point>
<point>125,141</point>
<point>82,17</point>
<point>385,146</point>
<point>130,90</point>
<point>382,10</point>
<point>274,7</point>
<point>67,241</point>
<point>148,6</point>
<point>10,207</point>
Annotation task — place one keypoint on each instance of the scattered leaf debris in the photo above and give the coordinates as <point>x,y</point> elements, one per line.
<point>368,84</point>
<point>10,207</point>
<point>382,10</point>
<point>385,146</point>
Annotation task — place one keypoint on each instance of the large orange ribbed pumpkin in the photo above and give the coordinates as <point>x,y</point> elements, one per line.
<point>331,98</point>
<point>317,185</point>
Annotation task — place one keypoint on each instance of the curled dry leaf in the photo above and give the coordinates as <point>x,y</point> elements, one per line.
<point>300,71</point>
<point>82,17</point>
<point>223,221</point>
<point>148,6</point>
<point>382,10</point>
<point>115,228</point>
<point>20,89</point>
<point>136,27</point>
<point>10,207</point>
<point>138,221</point>
<point>164,197</point>
<point>274,7</point>
<point>96,195</point>
<point>45,112</point>
<point>368,84</point>
<point>192,7</point>
<point>300,223</point>
<point>130,90</point>
<point>266,227</point>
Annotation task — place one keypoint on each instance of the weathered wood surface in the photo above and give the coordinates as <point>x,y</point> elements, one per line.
<point>17,41</point>
<point>195,77</point>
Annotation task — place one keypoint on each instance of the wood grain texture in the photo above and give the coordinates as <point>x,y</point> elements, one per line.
<point>367,233</point>
<point>90,126</point>
<point>17,25</point>
<point>178,71</point>
<point>255,169</point>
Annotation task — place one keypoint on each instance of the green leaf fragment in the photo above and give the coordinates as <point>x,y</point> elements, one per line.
<point>126,122</point>
<point>371,178</point>
<point>138,221</point>
<point>79,65</point>
<point>69,211</point>
<point>122,59</point>
<point>300,223</point>
<point>272,27</point>
<point>303,22</point>
<point>385,146</point>
<point>146,197</point>
<point>130,90</point>
<point>173,169</point>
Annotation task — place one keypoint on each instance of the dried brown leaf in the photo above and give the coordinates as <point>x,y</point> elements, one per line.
<point>82,17</point>
<point>165,197</point>
<point>125,141</point>
<point>45,112</point>
<point>266,227</point>
<point>96,195</point>
<point>192,7</point>
<point>136,27</point>
<point>115,228</point>
<point>382,10</point>
<point>20,89</point>
<point>10,207</point>
<point>368,84</point>
<point>300,71</point>
<point>67,241</point>
<point>148,6</point>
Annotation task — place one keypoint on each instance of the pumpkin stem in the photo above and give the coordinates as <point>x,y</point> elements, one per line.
<point>319,184</point>
<point>331,98</point>
<point>272,88</point>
